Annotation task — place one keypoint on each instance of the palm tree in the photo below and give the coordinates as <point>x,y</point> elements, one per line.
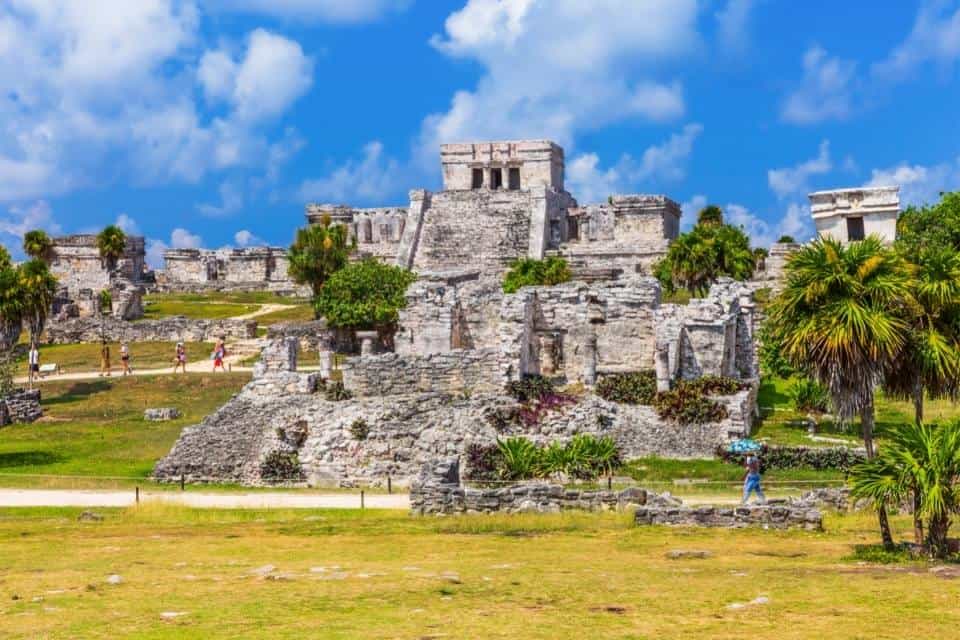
<point>922,460</point>
<point>710,216</point>
<point>39,289</point>
<point>6,261</point>
<point>11,307</point>
<point>841,318</point>
<point>929,365</point>
<point>37,244</point>
<point>112,242</point>
<point>696,259</point>
<point>318,251</point>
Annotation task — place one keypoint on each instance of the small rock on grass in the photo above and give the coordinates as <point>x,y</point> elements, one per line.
<point>114,579</point>
<point>90,516</point>
<point>264,570</point>
<point>171,615</point>
<point>689,554</point>
<point>754,602</point>
<point>451,577</point>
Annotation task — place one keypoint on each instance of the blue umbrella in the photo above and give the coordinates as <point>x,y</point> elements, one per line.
<point>744,445</point>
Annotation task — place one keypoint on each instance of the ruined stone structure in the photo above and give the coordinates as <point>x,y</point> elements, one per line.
<point>848,215</point>
<point>775,263</point>
<point>21,406</point>
<point>248,269</point>
<point>77,264</point>
<point>176,328</point>
<point>767,516</point>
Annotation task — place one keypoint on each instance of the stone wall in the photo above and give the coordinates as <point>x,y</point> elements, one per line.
<point>768,516</point>
<point>77,264</point>
<point>459,371</point>
<point>243,269</point>
<point>437,491</point>
<point>172,329</point>
<point>22,406</point>
<point>540,164</point>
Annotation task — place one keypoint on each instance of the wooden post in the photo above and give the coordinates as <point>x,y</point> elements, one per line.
<point>361,499</point>
<point>609,482</point>
<point>183,482</point>
<point>138,495</point>
<point>389,485</point>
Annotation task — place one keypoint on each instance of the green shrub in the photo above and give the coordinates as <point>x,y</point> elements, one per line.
<point>529,388</point>
<point>714,385</point>
<point>809,396</point>
<point>7,375</point>
<point>364,295</point>
<point>589,457</point>
<point>336,392</point>
<point>359,429</point>
<point>281,466</point>
<point>817,458</point>
<point>519,459</point>
<point>686,404</point>
<point>772,362</point>
<point>528,272</point>
<point>638,387</point>
<point>106,301</point>
<point>786,240</point>
<point>482,463</point>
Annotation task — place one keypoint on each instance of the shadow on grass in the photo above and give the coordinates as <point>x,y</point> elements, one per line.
<point>15,459</point>
<point>79,391</point>
<point>770,396</point>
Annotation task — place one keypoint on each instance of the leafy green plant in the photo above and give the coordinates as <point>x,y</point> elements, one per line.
<point>37,244</point>
<point>817,458</point>
<point>519,459</point>
<point>714,385</point>
<point>686,404</point>
<point>528,272</point>
<point>482,462</point>
<point>364,295</point>
<point>809,396</point>
<point>530,387</point>
<point>786,240</point>
<point>773,362</point>
<point>111,243</point>
<point>359,429</point>
<point>319,251</point>
<point>335,392</point>
<point>106,302</point>
<point>39,287</point>
<point>638,387</point>
<point>281,466</point>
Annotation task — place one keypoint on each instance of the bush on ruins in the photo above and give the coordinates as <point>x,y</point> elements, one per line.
<point>319,251</point>
<point>364,295</point>
<point>696,259</point>
<point>527,272</point>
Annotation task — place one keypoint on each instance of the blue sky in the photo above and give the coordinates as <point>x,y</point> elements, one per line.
<point>212,122</point>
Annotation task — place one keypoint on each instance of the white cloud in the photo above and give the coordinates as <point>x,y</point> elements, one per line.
<point>796,222</point>
<point>100,91</point>
<point>272,75</point>
<point>795,180</point>
<point>919,184</point>
<point>370,180</point>
<point>155,250</point>
<point>128,224</point>
<point>334,11</point>
<point>659,163</point>
<point>231,201</point>
<point>733,23</point>
<point>825,92</point>
<point>21,219</point>
<point>245,238</point>
<point>554,68</point>
<point>182,239</point>
<point>689,210</point>
<point>935,37</point>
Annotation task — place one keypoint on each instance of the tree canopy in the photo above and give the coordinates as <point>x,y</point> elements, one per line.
<point>319,251</point>
<point>111,242</point>
<point>364,295</point>
<point>37,244</point>
<point>696,259</point>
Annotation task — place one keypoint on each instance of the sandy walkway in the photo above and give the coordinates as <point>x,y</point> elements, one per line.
<point>264,310</point>
<point>265,500</point>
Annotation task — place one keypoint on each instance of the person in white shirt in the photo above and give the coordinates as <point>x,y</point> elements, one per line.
<point>34,362</point>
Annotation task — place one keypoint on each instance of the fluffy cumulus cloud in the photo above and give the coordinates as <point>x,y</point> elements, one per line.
<point>825,92</point>
<point>689,210</point>
<point>792,181</point>
<point>658,164</point>
<point>245,238</point>
<point>110,94</point>
<point>179,239</point>
<point>231,201</point>
<point>18,220</point>
<point>333,11</point>
<point>796,222</point>
<point>935,37</point>
<point>128,224</point>
<point>919,184</point>
<point>367,180</point>
<point>554,67</point>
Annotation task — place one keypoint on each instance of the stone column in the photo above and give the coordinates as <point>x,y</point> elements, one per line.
<point>590,360</point>
<point>325,349</point>
<point>548,352</point>
<point>367,342</point>
<point>662,363</point>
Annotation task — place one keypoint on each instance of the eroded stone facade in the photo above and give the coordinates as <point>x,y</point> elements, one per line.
<point>77,264</point>
<point>848,215</point>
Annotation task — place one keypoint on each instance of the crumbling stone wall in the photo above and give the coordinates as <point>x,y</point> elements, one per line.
<point>77,264</point>
<point>458,371</point>
<point>769,516</point>
<point>78,330</point>
<point>21,406</point>
<point>249,268</point>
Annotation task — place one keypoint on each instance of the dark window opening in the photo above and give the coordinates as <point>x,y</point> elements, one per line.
<point>855,229</point>
<point>477,179</point>
<point>514,179</point>
<point>496,178</point>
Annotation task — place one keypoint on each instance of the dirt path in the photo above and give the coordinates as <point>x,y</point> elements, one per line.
<point>200,366</point>
<point>265,500</point>
<point>264,310</point>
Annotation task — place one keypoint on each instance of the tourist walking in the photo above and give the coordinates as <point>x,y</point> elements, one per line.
<point>751,483</point>
<point>104,359</point>
<point>33,361</point>
<point>180,359</point>
<point>125,359</point>
<point>219,353</point>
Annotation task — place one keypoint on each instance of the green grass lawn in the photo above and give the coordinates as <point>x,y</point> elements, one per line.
<point>96,428</point>
<point>300,313</point>
<point>338,575</point>
<point>154,309</point>
<point>781,424</point>
<point>75,358</point>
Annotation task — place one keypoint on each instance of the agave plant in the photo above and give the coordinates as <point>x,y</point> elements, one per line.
<point>519,458</point>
